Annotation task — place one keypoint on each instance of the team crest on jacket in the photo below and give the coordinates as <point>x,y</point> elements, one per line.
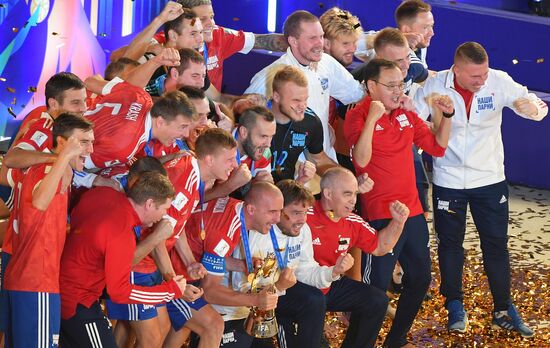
<point>403,121</point>
<point>485,103</point>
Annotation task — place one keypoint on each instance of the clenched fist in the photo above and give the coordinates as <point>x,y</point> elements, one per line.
<point>399,211</point>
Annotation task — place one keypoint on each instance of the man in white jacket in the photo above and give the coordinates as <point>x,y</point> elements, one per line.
<point>326,77</point>
<point>472,172</point>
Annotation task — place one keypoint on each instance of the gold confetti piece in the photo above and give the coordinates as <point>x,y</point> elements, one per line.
<point>11,90</point>
<point>103,34</point>
<point>14,101</point>
<point>31,89</point>
<point>3,79</point>
<point>10,110</point>
<point>236,19</point>
<point>515,61</point>
<point>14,29</point>
<point>54,33</point>
<point>530,291</point>
<point>540,60</point>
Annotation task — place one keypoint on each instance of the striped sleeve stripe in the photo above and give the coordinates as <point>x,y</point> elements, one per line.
<point>235,225</point>
<point>151,297</point>
<point>151,300</point>
<point>191,181</point>
<point>151,293</point>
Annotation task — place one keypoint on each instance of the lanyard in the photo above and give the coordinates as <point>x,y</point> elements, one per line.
<point>246,244</point>
<point>282,261</point>
<point>148,150</point>
<point>182,145</point>
<point>137,232</point>
<point>205,54</point>
<point>201,202</point>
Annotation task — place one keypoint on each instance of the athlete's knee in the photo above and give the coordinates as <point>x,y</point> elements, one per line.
<point>151,337</point>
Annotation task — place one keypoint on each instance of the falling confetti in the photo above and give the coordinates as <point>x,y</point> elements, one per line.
<point>529,255</point>
<point>14,29</point>
<point>103,34</point>
<point>14,101</point>
<point>31,89</point>
<point>236,19</point>
<point>11,89</point>
<point>10,110</point>
<point>515,61</point>
<point>3,79</point>
<point>54,33</point>
<point>540,60</point>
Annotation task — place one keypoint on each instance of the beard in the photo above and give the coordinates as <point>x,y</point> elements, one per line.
<point>250,149</point>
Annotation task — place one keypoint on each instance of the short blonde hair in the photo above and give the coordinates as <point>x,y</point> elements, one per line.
<point>288,73</point>
<point>337,22</point>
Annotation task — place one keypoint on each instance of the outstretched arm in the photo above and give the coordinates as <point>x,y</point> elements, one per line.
<point>270,42</point>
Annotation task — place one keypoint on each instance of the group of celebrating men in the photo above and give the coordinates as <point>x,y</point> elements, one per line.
<point>152,190</point>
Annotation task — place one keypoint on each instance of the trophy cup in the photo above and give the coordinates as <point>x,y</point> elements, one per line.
<point>261,323</point>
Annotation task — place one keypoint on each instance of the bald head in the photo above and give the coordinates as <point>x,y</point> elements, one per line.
<point>263,205</point>
<point>262,191</point>
<point>339,192</point>
<point>335,176</point>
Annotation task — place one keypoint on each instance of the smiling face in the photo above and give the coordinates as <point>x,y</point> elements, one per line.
<point>86,140</point>
<point>206,17</point>
<point>291,100</point>
<point>168,131</point>
<point>265,212</point>
<point>423,24</point>
<point>342,48</point>
<point>471,76</point>
<point>190,36</point>
<point>400,55</point>
<point>308,46</point>
<point>342,196</point>
<point>293,218</point>
<point>388,88</point>
<point>222,162</point>
<point>72,100</point>
<point>256,140</point>
<point>193,76</point>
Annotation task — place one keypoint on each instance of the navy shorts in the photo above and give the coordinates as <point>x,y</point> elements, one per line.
<point>34,319</point>
<point>135,312</point>
<point>179,311</point>
<point>4,315</point>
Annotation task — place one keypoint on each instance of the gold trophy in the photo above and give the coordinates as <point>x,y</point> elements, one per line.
<point>261,323</point>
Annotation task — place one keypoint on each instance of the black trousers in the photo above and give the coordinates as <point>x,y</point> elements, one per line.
<point>412,251</point>
<point>87,328</point>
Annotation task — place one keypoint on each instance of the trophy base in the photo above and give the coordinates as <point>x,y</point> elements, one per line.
<point>265,328</point>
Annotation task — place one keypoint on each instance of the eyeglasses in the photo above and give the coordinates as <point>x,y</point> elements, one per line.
<point>396,88</point>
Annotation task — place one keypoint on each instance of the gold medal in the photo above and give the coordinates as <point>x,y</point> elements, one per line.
<point>330,214</point>
<point>203,234</point>
<point>250,277</point>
